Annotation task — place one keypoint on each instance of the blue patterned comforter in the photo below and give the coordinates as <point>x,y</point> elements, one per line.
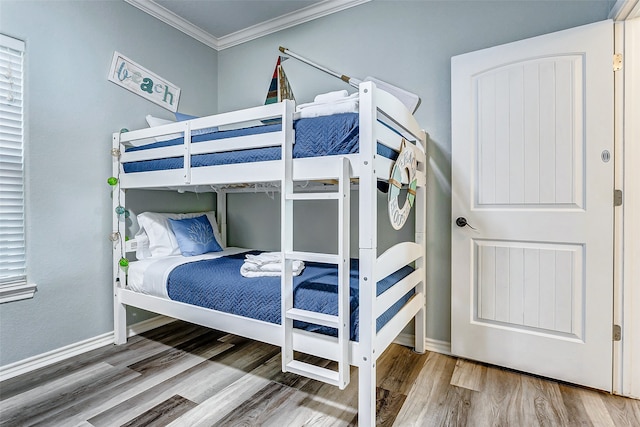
<point>317,136</point>
<point>217,284</point>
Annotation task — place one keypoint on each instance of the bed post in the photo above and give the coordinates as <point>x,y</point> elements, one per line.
<point>420,238</point>
<point>119,318</point>
<point>221,213</point>
<point>368,243</point>
<point>119,277</point>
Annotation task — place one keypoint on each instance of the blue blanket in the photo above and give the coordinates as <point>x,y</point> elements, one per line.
<point>314,137</point>
<point>217,284</point>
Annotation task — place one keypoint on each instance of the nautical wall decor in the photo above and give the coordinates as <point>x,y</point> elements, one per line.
<point>131,76</point>
<point>403,172</point>
<point>279,88</point>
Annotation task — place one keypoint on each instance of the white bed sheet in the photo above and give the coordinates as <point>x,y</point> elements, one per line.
<point>149,276</point>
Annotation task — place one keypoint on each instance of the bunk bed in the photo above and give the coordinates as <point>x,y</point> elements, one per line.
<point>371,299</point>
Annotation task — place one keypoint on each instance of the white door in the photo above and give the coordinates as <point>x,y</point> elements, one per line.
<point>532,173</point>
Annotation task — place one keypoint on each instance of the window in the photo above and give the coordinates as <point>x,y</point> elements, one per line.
<point>13,278</point>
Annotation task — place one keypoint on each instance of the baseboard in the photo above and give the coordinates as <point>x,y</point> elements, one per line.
<point>45,359</point>
<point>437,346</point>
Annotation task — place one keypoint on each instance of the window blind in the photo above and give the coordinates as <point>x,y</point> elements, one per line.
<point>12,227</point>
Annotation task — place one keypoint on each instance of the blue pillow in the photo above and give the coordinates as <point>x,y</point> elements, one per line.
<point>195,235</point>
<point>183,117</point>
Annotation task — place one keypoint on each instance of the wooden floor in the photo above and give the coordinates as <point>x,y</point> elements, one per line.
<point>185,375</point>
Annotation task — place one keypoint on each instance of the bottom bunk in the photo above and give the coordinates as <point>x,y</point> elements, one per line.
<point>210,291</point>
<point>216,281</point>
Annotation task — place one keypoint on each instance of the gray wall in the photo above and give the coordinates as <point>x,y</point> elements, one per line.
<point>71,112</point>
<point>409,44</point>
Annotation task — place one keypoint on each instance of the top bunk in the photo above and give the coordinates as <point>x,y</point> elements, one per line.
<point>247,146</point>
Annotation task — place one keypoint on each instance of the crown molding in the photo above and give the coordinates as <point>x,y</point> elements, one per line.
<point>165,15</point>
<point>306,14</point>
<point>289,20</point>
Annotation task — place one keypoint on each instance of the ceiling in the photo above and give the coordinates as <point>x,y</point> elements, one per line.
<point>220,24</point>
<point>224,23</point>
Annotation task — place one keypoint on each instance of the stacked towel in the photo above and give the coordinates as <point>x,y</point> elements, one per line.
<point>267,264</point>
<point>329,103</point>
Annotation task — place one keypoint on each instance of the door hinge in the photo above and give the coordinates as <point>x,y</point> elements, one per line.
<point>617,333</point>
<point>617,197</point>
<point>617,61</point>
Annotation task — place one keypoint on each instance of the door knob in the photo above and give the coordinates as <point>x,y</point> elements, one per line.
<point>462,222</point>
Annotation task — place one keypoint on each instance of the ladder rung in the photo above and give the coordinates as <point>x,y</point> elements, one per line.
<point>313,257</point>
<point>313,317</point>
<point>329,195</point>
<point>315,372</point>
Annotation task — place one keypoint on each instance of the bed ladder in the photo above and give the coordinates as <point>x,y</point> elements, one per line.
<point>341,376</point>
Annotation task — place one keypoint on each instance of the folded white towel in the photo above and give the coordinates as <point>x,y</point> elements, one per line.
<point>331,96</point>
<point>264,258</point>
<point>249,269</point>
<point>349,106</point>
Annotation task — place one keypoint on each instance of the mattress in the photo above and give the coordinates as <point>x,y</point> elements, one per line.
<point>315,289</point>
<point>318,136</point>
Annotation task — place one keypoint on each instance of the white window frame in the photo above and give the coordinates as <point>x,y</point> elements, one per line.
<point>13,261</point>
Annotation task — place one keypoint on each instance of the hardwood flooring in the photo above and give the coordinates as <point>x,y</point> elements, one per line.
<point>186,375</point>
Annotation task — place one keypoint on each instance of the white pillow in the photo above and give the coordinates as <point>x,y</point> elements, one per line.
<point>155,121</point>
<point>162,241</point>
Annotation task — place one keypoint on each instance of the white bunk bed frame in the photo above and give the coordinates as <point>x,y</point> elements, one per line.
<point>366,166</point>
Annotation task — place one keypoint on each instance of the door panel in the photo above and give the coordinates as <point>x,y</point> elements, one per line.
<point>532,274</point>
<point>529,286</point>
<point>518,105</point>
